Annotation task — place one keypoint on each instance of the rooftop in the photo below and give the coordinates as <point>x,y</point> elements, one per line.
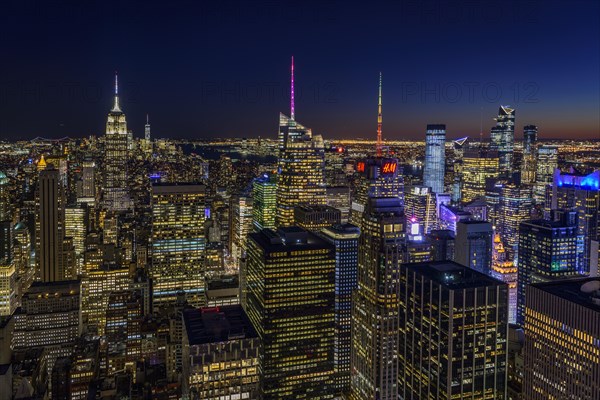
<point>585,292</point>
<point>342,230</point>
<point>217,324</point>
<point>223,282</point>
<point>453,275</point>
<point>288,239</point>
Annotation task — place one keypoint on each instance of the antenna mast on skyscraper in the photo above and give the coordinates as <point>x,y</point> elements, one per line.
<point>379,120</point>
<point>116,107</point>
<point>292,113</point>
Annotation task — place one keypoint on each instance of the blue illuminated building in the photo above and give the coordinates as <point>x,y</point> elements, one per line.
<point>503,138</point>
<point>580,193</point>
<point>435,157</point>
<point>450,216</point>
<point>547,252</point>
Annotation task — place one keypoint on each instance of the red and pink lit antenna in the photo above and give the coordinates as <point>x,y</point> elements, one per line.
<point>379,121</point>
<point>292,113</point>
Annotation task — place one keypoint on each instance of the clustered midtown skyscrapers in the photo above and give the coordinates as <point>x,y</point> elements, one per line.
<point>158,274</point>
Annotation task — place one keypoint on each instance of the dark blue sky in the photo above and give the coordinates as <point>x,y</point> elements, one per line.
<point>214,69</point>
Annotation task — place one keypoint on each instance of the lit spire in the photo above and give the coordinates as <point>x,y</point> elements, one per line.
<point>147,128</point>
<point>116,107</point>
<point>292,113</point>
<point>379,120</point>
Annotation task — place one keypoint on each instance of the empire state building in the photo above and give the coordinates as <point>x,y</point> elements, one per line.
<point>116,195</point>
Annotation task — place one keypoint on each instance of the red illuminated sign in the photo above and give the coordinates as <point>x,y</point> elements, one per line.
<point>388,168</point>
<point>360,167</point>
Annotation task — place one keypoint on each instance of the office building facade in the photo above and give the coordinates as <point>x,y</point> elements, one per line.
<point>453,330</point>
<point>290,299</point>
<point>562,336</point>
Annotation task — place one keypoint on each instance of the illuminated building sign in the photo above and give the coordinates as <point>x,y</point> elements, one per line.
<point>414,228</point>
<point>388,168</point>
<point>360,167</point>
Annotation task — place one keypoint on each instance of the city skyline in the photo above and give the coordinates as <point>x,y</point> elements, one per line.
<point>191,81</point>
<point>384,243</point>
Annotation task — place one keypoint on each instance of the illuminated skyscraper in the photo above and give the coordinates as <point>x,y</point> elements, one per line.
<point>301,167</point>
<point>264,195</point>
<point>503,139</point>
<point>22,256</point>
<point>378,177</point>
<point>453,333</point>
<point>562,336</point>
<point>8,287</point>
<point>240,225</point>
<point>146,144</point>
<point>293,312</point>
<point>505,271</point>
<point>96,287</point>
<point>457,168</point>
<point>478,165</point>
<point>547,252</point>
<point>76,227</point>
<point>345,239</point>
<point>547,162</point>
<point>580,193</point>
<point>339,197</point>
<point>147,129</point>
<point>419,203</point>
<point>115,190</point>
<point>514,206</point>
<point>6,220</point>
<point>178,241</point>
<point>435,158</point>
<point>529,164</point>
<point>473,245</point>
<point>375,335</point>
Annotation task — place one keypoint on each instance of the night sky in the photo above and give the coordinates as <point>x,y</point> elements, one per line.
<point>221,69</point>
